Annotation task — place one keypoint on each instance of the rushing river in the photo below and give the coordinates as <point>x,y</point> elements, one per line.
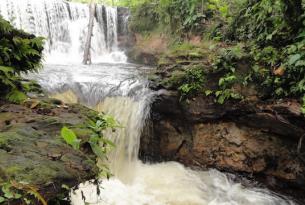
<point>120,89</point>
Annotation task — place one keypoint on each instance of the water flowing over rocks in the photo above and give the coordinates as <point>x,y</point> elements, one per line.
<point>252,139</point>
<point>200,134</point>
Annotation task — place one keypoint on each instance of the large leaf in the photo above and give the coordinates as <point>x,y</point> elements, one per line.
<point>98,151</point>
<point>2,199</point>
<point>294,58</point>
<point>70,138</point>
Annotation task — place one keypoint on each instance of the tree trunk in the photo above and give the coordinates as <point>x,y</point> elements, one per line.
<point>87,53</point>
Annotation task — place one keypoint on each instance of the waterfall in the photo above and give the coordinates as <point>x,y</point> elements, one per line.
<point>112,34</point>
<point>118,90</point>
<point>121,90</point>
<point>64,25</point>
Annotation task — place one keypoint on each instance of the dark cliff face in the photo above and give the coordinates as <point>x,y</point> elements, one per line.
<point>258,139</point>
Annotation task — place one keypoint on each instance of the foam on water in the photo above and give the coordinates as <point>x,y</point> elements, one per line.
<point>120,90</point>
<point>172,184</point>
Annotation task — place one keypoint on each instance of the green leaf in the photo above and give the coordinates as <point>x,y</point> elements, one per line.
<point>2,199</point>
<point>293,59</point>
<point>279,91</point>
<point>208,92</point>
<point>219,92</point>
<point>6,69</point>
<point>221,99</point>
<point>301,35</point>
<point>69,136</point>
<point>6,189</point>
<point>17,196</point>
<point>98,151</point>
<point>300,63</point>
<point>16,96</point>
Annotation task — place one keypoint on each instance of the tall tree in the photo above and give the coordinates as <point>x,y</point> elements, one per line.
<point>87,52</point>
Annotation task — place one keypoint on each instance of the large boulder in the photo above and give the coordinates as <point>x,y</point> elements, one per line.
<point>32,151</point>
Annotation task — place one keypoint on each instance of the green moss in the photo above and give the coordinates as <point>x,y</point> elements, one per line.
<point>13,170</point>
<point>175,80</point>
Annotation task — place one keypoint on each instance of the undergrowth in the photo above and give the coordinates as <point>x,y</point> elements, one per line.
<point>99,144</point>
<point>20,53</point>
<point>260,43</point>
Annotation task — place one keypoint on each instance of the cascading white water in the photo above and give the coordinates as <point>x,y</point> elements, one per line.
<point>122,91</point>
<point>64,25</point>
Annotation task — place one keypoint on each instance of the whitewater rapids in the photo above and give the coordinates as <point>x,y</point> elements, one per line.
<point>172,184</point>
<point>121,90</point>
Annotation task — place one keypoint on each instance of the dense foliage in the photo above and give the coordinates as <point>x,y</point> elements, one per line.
<point>256,42</point>
<point>171,16</point>
<point>19,53</point>
<point>275,35</point>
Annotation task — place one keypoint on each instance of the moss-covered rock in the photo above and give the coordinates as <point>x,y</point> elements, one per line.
<point>32,151</point>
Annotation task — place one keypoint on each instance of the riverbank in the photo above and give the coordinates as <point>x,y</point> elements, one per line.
<point>256,141</point>
<point>35,160</point>
<point>198,123</point>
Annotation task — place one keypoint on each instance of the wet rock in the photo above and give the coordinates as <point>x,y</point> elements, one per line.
<point>257,139</point>
<point>142,57</point>
<point>32,151</point>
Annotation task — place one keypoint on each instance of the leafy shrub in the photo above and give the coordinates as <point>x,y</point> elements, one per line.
<point>275,35</point>
<point>99,144</point>
<point>173,16</point>
<point>11,191</point>
<point>226,64</point>
<point>192,82</point>
<point>145,18</point>
<point>19,53</point>
<point>268,22</point>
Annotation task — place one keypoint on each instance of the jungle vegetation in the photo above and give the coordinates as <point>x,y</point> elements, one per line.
<point>243,43</point>
<point>266,35</point>
<point>263,38</point>
<point>20,53</point>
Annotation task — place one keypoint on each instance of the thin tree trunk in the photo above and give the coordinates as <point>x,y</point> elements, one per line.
<point>87,53</point>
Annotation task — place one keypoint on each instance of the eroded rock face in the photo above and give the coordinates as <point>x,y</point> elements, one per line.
<point>258,139</point>
<point>32,151</point>
<point>229,147</point>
